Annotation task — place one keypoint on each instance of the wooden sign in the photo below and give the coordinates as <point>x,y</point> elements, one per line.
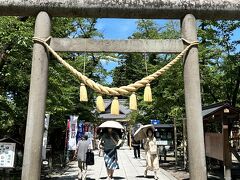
<point>7,154</point>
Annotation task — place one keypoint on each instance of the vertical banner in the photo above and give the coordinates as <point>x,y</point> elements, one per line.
<point>89,133</point>
<point>86,127</point>
<point>66,154</point>
<point>72,133</point>
<point>67,135</point>
<point>45,135</point>
<point>80,131</point>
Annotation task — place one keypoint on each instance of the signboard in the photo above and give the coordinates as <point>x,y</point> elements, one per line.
<point>154,121</point>
<point>45,134</point>
<point>72,133</point>
<point>162,143</point>
<point>7,154</point>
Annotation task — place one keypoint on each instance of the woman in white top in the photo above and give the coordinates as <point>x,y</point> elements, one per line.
<point>151,152</point>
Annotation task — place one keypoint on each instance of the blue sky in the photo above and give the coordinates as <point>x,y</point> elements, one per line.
<point>116,28</point>
<point>119,28</point>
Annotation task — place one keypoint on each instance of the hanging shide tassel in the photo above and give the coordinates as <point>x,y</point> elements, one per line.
<point>100,104</point>
<point>147,93</point>
<point>115,106</point>
<point>133,101</point>
<point>83,93</point>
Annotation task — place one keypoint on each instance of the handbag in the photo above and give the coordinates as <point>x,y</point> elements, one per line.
<point>115,142</point>
<point>152,148</point>
<point>90,158</point>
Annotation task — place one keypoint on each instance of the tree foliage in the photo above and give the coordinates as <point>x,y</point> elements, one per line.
<point>219,69</point>
<point>168,89</point>
<point>63,89</point>
<point>219,58</point>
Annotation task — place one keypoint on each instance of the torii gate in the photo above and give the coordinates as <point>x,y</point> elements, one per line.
<point>186,10</point>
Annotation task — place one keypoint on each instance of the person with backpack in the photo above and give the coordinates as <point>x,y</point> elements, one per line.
<point>151,152</point>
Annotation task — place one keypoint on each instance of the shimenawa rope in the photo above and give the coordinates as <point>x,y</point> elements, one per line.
<point>123,90</point>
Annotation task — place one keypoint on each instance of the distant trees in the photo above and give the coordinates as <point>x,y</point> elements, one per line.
<point>219,59</point>
<point>219,68</point>
<point>63,89</point>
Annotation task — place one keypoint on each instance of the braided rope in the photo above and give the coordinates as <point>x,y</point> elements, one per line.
<point>123,90</point>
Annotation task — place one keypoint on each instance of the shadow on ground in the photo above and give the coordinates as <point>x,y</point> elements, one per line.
<point>148,177</point>
<point>115,177</point>
<point>70,178</point>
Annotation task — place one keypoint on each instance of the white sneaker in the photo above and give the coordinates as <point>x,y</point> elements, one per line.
<point>145,173</point>
<point>79,176</point>
<point>84,175</point>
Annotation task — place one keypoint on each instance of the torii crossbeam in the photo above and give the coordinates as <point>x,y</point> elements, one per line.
<point>167,9</point>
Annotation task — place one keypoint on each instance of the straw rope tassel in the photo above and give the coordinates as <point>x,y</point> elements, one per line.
<point>115,106</point>
<point>83,93</point>
<point>100,104</point>
<point>133,101</point>
<point>147,93</point>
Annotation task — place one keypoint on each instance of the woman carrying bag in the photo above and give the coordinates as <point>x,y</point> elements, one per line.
<point>110,142</point>
<point>81,153</point>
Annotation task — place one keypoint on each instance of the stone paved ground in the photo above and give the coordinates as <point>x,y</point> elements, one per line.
<point>130,168</point>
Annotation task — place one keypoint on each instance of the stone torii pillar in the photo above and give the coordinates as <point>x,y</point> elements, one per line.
<point>37,101</point>
<point>196,149</point>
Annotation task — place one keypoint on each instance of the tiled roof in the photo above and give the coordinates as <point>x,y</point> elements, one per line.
<point>123,108</point>
<point>109,116</point>
<point>210,110</point>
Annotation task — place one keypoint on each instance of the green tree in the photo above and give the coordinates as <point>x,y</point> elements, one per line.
<point>168,89</point>
<point>219,58</point>
<point>15,67</point>
<point>63,88</point>
<point>219,68</point>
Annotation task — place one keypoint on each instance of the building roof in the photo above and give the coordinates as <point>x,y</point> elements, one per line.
<point>206,112</point>
<point>110,116</point>
<point>124,110</point>
<point>212,109</point>
<point>9,139</point>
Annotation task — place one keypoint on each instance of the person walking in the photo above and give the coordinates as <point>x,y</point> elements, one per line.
<point>99,146</point>
<point>151,152</point>
<point>110,142</point>
<point>136,148</point>
<point>81,153</point>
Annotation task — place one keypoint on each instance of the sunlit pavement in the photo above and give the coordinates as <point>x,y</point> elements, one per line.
<point>130,168</point>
